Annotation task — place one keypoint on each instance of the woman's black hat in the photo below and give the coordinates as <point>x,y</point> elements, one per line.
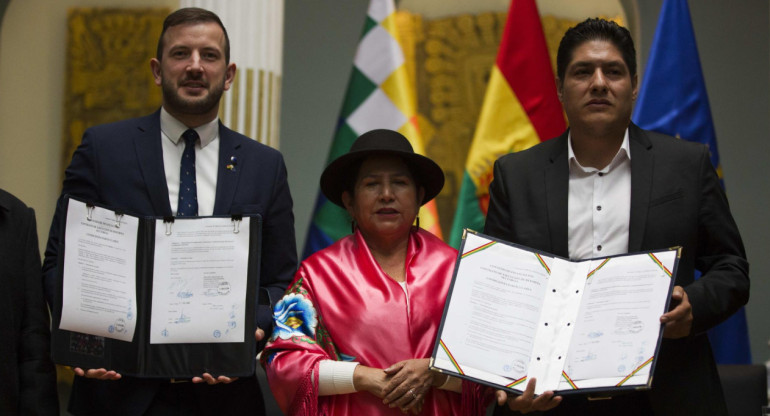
<point>381,142</point>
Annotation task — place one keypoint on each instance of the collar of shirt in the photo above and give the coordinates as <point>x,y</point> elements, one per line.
<point>174,128</point>
<point>575,168</point>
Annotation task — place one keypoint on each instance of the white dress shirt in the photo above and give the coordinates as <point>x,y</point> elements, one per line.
<point>206,160</point>
<point>599,206</point>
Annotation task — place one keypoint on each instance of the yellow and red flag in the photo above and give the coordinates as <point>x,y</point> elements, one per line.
<point>520,109</point>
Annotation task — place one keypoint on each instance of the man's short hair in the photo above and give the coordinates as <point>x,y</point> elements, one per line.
<point>595,29</point>
<point>192,15</point>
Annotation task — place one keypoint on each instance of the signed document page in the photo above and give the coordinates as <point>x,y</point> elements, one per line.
<point>495,305</point>
<point>618,323</point>
<point>199,281</point>
<point>99,287</point>
<point>514,314</point>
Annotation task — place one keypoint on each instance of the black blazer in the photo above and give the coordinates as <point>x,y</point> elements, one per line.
<point>28,376</point>
<point>121,165</point>
<point>676,200</point>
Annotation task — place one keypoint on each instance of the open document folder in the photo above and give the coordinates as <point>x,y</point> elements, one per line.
<point>587,326</point>
<point>157,297</point>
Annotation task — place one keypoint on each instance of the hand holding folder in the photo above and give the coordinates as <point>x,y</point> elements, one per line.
<point>589,326</point>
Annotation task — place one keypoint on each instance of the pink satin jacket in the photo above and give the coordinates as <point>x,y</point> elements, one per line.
<point>342,306</point>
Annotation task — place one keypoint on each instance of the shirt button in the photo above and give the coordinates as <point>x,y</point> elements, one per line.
<point>598,207</point>
<point>601,173</point>
<point>599,247</point>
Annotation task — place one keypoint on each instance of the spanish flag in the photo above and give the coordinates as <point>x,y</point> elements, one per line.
<point>520,109</point>
<point>380,95</point>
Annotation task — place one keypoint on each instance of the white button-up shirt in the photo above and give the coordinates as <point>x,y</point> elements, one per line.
<point>599,206</point>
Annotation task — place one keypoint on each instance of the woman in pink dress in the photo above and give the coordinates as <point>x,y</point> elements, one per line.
<point>356,328</point>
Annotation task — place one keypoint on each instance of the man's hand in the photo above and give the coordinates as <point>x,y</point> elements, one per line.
<point>527,402</point>
<point>99,373</point>
<point>678,321</point>
<point>209,379</point>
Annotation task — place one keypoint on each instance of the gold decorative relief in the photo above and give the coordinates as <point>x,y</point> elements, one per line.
<point>108,74</point>
<point>554,29</point>
<point>451,59</point>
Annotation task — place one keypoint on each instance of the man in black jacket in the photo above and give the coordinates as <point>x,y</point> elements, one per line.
<point>607,187</point>
<point>28,385</point>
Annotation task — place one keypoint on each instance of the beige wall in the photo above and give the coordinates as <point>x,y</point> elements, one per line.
<point>32,53</point>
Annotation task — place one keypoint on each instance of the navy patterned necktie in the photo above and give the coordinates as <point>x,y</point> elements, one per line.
<point>188,193</point>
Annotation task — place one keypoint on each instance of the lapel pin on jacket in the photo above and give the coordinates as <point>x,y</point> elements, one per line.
<point>233,163</point>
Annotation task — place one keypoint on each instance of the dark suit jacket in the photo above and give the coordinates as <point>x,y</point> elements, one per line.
<point>676,200</point>
<point>28,377</point>
<point>121,165</point>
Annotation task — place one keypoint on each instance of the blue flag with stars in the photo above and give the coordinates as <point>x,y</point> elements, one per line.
<point>673,100</point>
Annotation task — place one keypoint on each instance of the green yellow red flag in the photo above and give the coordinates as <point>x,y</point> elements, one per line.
<point>380,95</point>
<point>520,109</point>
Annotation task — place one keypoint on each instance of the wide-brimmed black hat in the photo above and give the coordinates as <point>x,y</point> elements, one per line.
<point>381,142</point>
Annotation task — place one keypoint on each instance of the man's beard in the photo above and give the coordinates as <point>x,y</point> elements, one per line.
<point>194,105</point>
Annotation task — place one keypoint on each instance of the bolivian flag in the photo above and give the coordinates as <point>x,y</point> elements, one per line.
<point>379,96</point>
<point>520,109</point>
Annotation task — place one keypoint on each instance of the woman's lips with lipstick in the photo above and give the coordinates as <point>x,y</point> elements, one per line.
<point>387,211</point>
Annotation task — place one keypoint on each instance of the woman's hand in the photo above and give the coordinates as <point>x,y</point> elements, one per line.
<point>408,381</point>
<point>372,380</point>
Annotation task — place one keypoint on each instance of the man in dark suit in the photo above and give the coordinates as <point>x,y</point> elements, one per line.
<point>608,187</point>
<point>28,376</point>
<point>138,166</point>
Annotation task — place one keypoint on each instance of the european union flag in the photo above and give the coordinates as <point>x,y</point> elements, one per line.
<point>673,101</point>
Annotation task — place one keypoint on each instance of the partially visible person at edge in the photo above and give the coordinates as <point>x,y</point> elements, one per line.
<point>144,166</point>
<point>607,187</point>
<point>28,376</point>
<point>354,332</point>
